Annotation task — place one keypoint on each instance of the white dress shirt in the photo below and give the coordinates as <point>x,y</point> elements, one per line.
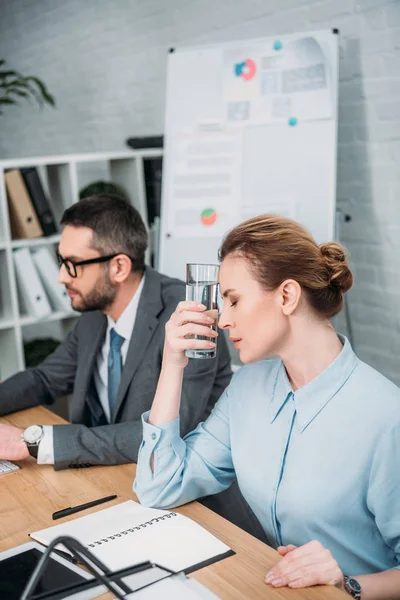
<point>124,327</point>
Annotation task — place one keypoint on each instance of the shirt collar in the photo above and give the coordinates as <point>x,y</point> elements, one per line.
<point>124,325</point>
<point>311,398</point>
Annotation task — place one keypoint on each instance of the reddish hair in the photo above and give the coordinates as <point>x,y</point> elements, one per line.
<point>277,249</point>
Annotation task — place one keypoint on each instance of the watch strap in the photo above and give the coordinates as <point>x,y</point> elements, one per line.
<point>350,584</point>
<point>33,450</point>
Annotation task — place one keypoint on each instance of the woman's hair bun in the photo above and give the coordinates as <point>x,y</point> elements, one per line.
<point>339,273</point>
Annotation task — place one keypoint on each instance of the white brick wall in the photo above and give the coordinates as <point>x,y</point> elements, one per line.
<point>105,62</point>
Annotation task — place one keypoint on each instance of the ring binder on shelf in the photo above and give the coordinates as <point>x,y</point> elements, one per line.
<point>146,574</point>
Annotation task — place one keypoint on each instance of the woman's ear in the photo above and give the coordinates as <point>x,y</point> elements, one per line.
<point>290,293</point>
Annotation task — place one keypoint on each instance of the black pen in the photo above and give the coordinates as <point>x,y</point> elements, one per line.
<point>73,509</point>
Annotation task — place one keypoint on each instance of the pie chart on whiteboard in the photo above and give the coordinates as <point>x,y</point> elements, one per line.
<point>208,216</point>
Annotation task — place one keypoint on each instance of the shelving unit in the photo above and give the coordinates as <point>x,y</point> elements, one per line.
<point>62,178</point>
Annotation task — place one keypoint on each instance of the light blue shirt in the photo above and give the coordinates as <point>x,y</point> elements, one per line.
<point>321,463</point>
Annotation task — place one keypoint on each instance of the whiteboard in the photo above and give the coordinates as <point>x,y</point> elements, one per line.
<point>250,128</point>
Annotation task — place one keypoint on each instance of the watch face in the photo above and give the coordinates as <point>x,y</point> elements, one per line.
<point>33,434</point>
<point>354,585</point>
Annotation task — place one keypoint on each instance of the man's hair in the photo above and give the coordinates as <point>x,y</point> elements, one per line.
<point>117,226</point>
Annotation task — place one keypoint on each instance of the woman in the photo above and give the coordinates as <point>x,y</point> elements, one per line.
<point>311,433</point>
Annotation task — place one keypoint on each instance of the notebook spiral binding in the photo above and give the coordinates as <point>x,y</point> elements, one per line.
<point>131,530</point>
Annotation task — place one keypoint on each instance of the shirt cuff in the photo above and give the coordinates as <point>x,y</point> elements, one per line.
<point>46,448</point>
<point>160,435</point>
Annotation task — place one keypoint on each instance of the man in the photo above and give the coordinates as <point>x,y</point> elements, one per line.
<point>111,361</point>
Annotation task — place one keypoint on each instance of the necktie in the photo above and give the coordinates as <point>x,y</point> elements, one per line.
<point>114,369</point>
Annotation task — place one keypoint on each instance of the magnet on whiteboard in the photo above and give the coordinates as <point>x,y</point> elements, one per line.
<point>278,45</point>
<point>292,121</point>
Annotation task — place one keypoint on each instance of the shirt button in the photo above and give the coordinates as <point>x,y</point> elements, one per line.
<point>153,436</point>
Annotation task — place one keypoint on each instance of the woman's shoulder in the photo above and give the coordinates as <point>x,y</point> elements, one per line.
<point>372,377</point>
<point>376,392</point>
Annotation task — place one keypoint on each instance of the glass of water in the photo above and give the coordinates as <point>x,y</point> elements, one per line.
<point>202,286</point>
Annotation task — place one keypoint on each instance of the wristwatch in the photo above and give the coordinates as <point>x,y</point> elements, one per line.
<point>352,587</point>
<point>32,436</point>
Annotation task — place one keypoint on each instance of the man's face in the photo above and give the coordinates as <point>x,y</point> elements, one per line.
<point>92,289</point>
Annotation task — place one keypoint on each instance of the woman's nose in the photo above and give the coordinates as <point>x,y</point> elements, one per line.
<point>223,321</point>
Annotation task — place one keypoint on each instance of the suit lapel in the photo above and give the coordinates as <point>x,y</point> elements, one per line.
<point>150,306</point>
<point>96,329</point>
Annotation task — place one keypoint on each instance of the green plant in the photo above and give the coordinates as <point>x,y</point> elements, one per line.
<point>102,187</point>
<point>14,86</point>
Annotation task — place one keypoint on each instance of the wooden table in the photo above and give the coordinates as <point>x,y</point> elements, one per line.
<point>30,496</point>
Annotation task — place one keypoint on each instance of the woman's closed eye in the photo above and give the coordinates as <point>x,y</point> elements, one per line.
<point>233,303</point>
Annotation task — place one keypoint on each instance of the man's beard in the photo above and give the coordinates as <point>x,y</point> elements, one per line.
<point>101,297</point>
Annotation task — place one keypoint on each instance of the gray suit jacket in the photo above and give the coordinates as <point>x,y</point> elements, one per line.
<point>90,440</point>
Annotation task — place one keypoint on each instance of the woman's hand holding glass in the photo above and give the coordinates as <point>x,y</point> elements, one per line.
<point>189,319</point>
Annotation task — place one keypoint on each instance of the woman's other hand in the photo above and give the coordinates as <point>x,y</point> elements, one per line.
<point>305,566</point>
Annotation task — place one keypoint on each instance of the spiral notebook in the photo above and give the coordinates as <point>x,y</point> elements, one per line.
<point>129,533</point>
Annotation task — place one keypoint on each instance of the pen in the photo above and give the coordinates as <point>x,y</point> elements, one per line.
<point>73,509</point>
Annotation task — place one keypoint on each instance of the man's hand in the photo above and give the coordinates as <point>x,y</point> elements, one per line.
<point>308,565</point>
<point>12,446</point>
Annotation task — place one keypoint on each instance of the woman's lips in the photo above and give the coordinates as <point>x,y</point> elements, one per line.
<point>236,342</point>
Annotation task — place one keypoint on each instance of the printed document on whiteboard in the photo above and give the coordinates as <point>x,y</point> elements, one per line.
<point>204,183</point>
<point>285,82</point>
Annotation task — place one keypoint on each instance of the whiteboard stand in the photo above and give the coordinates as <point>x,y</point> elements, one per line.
<point>344,217</point>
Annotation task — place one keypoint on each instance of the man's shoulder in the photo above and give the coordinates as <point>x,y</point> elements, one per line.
<point>160,294</point>
<point>90,320</point>
<point>172,289</point>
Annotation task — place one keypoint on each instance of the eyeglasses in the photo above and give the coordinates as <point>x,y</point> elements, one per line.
<point>71,265</point>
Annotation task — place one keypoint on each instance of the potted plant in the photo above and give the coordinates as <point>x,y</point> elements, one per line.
<point>14,86</point>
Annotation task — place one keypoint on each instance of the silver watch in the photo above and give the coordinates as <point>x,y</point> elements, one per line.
<point>32,436</point>
<point>352,587</point>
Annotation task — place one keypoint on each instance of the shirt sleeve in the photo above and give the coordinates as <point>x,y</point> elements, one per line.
<point>46,449</point>
<point>383,497</point>
<point>198,465</point>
